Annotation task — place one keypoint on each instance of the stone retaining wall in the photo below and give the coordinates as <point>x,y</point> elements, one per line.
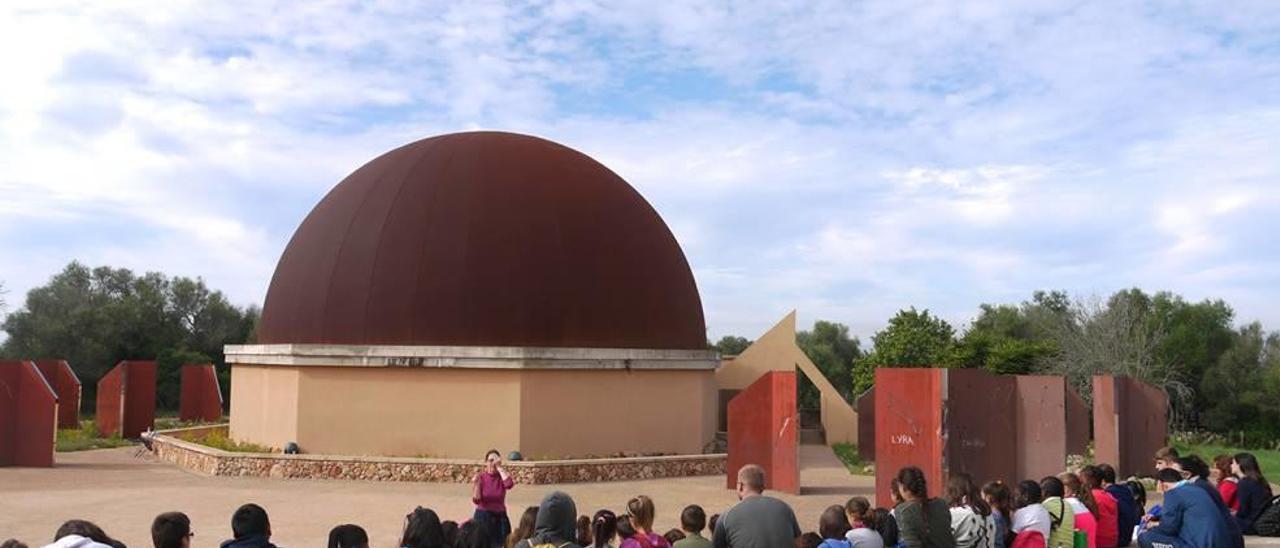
<point>168,447</point>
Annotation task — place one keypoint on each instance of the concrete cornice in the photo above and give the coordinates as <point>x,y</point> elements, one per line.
<point>469,357</point>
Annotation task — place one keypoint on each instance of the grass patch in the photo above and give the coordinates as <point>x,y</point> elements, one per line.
<point>1268,460</point>
<point>848,454</point>
<point>86,437</point>
<point>219,440</point>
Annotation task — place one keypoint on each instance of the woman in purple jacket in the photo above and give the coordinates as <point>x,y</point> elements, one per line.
<point>489,493</point>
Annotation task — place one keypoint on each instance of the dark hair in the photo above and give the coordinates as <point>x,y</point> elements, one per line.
<point>1072,483</point>
<point>603,526</point>
<point>250,519</point>
<point>1168,475</point>
<point>1106,473</point>
<point>473,534</point>
<point>449,529</point>
<point>911,479</point>
<point>711,522</point>
<point>348,536</point>
<point>625,529</point>
<point>1139,492</point>
<point>492,452</point>
<point>961,491</point>
<point>673,535</point>
<point>1222,463</point>
<point>833,523</point>
<point>1000,498</point>
<point>859,508</point>
<point>693,518</point>
<point>895,490</point>
<point>422,529</point>
<point>809,540</point>
<point>1026,493</point>
<point>86,529</point>
<point>1249,467</point>
<point>1091,477</point>
<point>524,530</point>
<point>1195,465</point>
<point>169,529</point>
<point>885,524</point>
<point>1051,486</point>
<point>582,528</point>
<point>12,543</point>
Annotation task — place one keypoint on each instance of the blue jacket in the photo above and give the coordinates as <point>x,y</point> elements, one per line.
<point>1233,528</point>
<point>1190,516</point>
<point>1126,512</point>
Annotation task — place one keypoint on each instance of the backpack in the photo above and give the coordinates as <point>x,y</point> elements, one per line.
<point>1268,522</point>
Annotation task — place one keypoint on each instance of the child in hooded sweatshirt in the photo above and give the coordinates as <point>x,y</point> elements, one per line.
<point>833,526</point>
<point>862,532</point>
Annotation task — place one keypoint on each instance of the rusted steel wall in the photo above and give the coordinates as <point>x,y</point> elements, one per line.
<point>109,408</point>
<point>1130,422</point>
<point>28,415</point>
<point>980,426</point>
<point>201,398</point>
<point>67,386</point>
<point>1078,424</point>
<point>127,399</point>
<point>866,405</point>
<point>1042,426</point>
<point>1106,427</point>
<point>908,414</point>
<point>1144,426</point>
<point>140,398</point>
<point>764,429</point>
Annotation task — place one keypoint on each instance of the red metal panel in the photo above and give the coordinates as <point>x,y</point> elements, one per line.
<point>28,415</point>
<point>1077,424</point>
<point>764,429</point>
<point>139,398</point>
<point>980,426</point>
<point>866,405</point>
<point>1144,425</point>
<point>1042,426</point>
<point>1106,426</point>
<point>908,426</point>
<point>201,398</point>
<point>484,239</point>
<point>67,385</point>
<point>109,411</point>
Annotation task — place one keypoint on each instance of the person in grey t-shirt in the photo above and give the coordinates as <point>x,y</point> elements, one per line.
<point>757,521</point>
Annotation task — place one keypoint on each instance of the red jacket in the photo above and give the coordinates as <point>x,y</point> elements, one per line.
<point>1108,519</point>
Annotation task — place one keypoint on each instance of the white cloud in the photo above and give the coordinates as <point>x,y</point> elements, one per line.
<point>845,159</point>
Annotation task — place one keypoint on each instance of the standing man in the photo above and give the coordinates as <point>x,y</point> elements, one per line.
<point>757,521</point>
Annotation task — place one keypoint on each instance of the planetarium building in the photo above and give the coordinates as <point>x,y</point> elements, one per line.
<point>474,291</point>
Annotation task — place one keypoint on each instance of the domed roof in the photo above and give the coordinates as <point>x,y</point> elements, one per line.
<point>484,239</point>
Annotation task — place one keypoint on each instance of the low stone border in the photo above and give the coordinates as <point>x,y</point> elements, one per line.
<point>168,447</point>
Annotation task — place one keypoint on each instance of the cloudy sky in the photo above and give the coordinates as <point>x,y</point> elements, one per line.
<point>843,158</point>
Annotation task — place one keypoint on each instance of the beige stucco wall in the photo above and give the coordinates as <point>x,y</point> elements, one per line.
<point>566,413</point>
<point>461,413</point>
<point>455,413</point>
<point>265,407</point>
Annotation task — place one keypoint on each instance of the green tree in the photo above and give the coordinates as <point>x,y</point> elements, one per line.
<point>830,348</point>
<point>1242,388</point>
<point>731,345</point>
<point>912,339</point>
<point>1005,339</point>
<point>169,374</point>
<point>93,318</point>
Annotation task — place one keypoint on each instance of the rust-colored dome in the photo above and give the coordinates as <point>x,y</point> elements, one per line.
<point>484,239</point>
